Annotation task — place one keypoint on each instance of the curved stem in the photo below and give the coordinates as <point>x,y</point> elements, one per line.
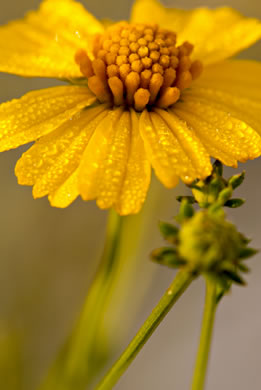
<point>81,356</point>
<point>205,337</point>
<point>175,290</point>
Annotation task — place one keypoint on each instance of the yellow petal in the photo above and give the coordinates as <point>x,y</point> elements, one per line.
<point>137,177</point>
<point>216,143</point>
<point>104,162</point>
<point>238,77</point>
<point>165,150</point>
<point>217,34</point>
<point>49,163</point>
<point>66,193</point>
<point>45,42</point>
<point>247,110</point>
<point>228,133</point>
<point>189,142</point>
<point>38,113</point>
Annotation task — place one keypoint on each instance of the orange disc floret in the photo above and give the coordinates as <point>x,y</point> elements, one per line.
<point>138,65</point>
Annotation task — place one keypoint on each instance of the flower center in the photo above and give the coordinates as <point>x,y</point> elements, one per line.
<point>138,65</point>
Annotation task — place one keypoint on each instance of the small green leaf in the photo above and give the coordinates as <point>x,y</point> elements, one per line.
<point>218,167</point>
<point>190,199</point>
<point>243,268</point>
<point>167,256</point>
<point>186,211</point>
<point>233,276</point>
<point>225,195</point>
<point>236,180</point>
<point>245,253</point>
<point>168,231</point>
<point>234,203</point>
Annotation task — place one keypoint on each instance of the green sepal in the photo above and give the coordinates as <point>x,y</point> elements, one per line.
<point>234,203</point>
<point>245,253</point>
<point>225,195</point>
<point>234,277</point>
<point>189,199</point>
<point>243,268</point>
<point>169,231</point>
<point>216,185</point>
<point>186,211</point>
<point>218,167</point>
<point>236,180</point>
<point>167,256</point>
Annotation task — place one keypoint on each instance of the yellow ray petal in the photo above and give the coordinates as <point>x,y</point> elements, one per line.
<point>66,193</point>
<point>38,113</point>
<point>216,143</point>
<point>45,42</point>
<point>189,142</point>
<point>239,77</point>
<point>217,34</point>
<point>232,135</point>
<point>247,110</point>
<point>137,178</point>
<point>49,163</point>
<point>104,163</point>
<point>166,154</point>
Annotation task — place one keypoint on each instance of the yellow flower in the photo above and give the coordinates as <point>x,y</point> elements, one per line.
<point>138,98</point>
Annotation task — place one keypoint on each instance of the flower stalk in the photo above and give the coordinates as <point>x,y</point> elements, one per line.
<point>175,290</point>
<point>84,353</point>
<point>206,336</point>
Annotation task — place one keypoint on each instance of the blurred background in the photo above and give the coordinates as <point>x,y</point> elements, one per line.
<point>48,258</point>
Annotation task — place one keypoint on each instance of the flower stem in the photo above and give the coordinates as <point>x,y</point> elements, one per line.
<point>205,337</point>
<point>84,352</point>
<point>175,290</point>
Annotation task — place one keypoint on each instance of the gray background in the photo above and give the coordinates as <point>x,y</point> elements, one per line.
<point>48,257</point>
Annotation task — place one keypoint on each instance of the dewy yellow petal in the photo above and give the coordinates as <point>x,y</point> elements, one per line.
<point>114,166</point>
<point>95,159</point>
<point>240,140</point>
<point>217,34</point>
<point>53,158</point>
<point>239,77</point>
<point>38,113</point>
<point>164,151</point>
<point>45,42</point>
<point>247,110</point>
<point>189,142</point>
<point>66,193</point>
<point>214,141</point>
<point>137,177</point>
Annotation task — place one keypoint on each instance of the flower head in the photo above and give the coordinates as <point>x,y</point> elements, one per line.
<point>155,91</point>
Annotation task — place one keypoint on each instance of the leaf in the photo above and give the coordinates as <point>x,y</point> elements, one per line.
<point>224,195</point>
<point>168,231</point>
<point>186,211</point>
<point>234,203</point>
<point>190,199</point>
<point>236,180</point>
<point>218,167</point>
<point>245,253</point>
<point>233,276</point>
<point>167,256</point>
<point>243,268</point>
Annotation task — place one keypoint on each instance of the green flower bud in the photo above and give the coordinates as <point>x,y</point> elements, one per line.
<point>208,242</point>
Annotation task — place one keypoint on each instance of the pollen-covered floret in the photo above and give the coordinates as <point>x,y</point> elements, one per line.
<point>138,65</point>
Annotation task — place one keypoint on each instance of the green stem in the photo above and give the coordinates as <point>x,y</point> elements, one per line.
<point>205,337</point>
<point>84,353</point>
<point>175,290</point>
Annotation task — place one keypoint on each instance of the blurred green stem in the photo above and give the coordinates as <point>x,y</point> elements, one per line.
<point>205,337</point>
<point>175,290</point>
<point>80,359</point>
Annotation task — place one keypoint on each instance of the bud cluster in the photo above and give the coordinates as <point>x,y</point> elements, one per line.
<point>205,242</point>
